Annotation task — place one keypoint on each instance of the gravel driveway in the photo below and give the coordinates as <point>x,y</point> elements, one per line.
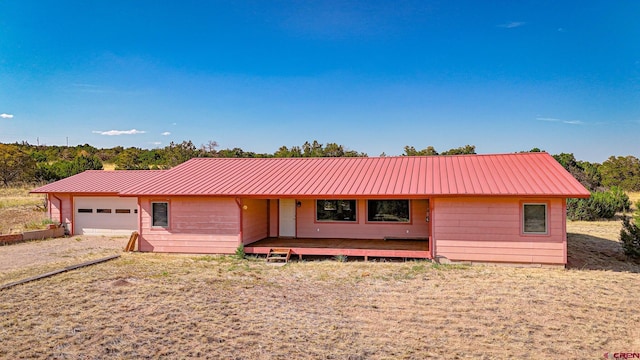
<point>36,253</point>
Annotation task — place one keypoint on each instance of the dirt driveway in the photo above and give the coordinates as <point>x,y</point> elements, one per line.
<point>62,251</point>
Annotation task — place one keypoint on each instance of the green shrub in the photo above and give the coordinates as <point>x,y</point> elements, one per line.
<point>601,205</point>
<point>630,237</point>
<point>240,252</point>
<point>619,198</point>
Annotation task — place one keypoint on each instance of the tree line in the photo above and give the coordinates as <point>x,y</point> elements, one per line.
<point>24,162</point>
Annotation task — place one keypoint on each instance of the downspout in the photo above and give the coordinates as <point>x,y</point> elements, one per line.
<point>240,235</point>
<point>59,207</point>
<point>139,223</point>
<point>59,210</point>
<point>49,205</point>
<point>432,245</point>
<point>564,232</point>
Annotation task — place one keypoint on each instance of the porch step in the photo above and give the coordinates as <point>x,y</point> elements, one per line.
<point>279,255</point>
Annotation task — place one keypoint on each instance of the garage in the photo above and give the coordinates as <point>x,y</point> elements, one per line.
<point>105,215</point>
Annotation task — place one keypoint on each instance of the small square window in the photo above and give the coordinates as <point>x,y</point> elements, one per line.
<point>534,218</point>
<point>160,214</point>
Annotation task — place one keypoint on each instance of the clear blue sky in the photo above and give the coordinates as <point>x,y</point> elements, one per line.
<point>374,76</point>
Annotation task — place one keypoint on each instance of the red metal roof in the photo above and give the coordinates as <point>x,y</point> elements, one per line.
<point>523,174</point>
<point>99,181</point>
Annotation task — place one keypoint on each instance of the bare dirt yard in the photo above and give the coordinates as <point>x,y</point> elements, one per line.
<point>35,257</point>
<point>219,307</point>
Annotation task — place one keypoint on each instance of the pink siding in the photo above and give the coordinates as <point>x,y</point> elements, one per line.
<point>61,209</point>
<point>254,220</point>
<point>489,230</point>
<point>196,225</point>
<point>309,228</point>
<point>273,218</point>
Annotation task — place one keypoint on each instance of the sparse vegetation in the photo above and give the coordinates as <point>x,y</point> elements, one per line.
<point>177,306</point>
<point>18,208</point>
<point>36,225</point>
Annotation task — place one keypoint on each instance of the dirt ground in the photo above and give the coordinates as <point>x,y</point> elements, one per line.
<point>153,306</point>
<point>30,258</point>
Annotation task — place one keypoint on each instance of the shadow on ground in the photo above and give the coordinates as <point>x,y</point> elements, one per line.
<point>586,252</point>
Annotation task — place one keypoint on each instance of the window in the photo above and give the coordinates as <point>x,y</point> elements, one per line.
<point>388,210</point>
<point>123,211</point>
<point>160,214</point>
<point>85,211</point>
<point>534,218</point>
<point>103,211</point>
<point>335,210</point>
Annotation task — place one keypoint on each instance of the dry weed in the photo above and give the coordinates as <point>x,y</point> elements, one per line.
<point>19,208</point>
<point>154,305</point>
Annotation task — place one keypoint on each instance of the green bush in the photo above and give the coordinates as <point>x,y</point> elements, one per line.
<point>630,236</point>
<point>601,205</point>
<point>240,252</point>
<point>619,198</point>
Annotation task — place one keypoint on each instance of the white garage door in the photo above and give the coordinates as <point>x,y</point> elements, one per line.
<point>105,215</point>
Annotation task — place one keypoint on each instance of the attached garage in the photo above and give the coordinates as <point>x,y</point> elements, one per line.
<point>105,215</point>
<point>88,203</point>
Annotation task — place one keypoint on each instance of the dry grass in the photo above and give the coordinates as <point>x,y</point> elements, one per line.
<point>152,306</point>
<point>37,257</point>
<point>595,245</point>
<point>19,196</point>
<point>20,210</point>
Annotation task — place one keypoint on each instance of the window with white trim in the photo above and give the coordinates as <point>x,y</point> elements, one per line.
<point>160,214</point>
<point>534,218</point>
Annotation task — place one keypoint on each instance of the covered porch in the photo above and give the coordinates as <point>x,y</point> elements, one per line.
<point>389,247</point>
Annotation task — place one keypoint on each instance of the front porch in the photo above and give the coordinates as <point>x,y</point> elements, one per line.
<point>398,248</point>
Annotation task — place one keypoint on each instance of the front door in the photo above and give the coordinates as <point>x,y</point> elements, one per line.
<point>287,216</point>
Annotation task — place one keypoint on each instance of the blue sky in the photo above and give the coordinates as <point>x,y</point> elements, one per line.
<point>372,75</point>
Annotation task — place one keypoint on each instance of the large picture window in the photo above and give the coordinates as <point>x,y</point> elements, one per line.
<point>388,210</point>
<point>160,214</point>
<point>335,210</point>
<point>534,218</point>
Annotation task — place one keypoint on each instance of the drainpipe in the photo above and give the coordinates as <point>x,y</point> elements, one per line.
<point>432,245</point>
<point>139,223</point>
<point>60,210</point>
<point>240,235</point>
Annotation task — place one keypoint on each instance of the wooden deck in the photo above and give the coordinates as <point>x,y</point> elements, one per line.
<point>349,247</point>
